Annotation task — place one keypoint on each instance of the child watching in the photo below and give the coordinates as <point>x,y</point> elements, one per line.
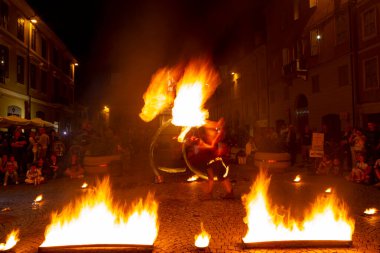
<point>324,166</point>
<point>361,172</point>
<point>34,175</point>
<point>11,170</point>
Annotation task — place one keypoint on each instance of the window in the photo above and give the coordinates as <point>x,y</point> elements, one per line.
<point>343,75</point>
<point>4,63</point>
<point>312,3</point>
<point>341,28</point>
<point>315,84</point>
<point>33,76</point>
<point>296,9</point>
<point>33,39</point>
<point>371,74</point>
<point>4,9</point>
<point>43,48</point>
<point>20,69</point>
<point>44,81</point>
<point>314,42</point>
<point>20,29</point>
<point>369,23</point>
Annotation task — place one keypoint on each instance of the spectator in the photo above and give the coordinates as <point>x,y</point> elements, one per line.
<point>306,143</point>
<point>357,143</point>
<point>18,145</point>
<point>324,166</point>
<point>32,147</point>
<point>376,168</point>
<point>44,141</point>
<point>34,175</point>
<point>361,172</point>
<point>74,168</point>
<point>372,142</point>
<point>11,168</point>
<point>52,167</point>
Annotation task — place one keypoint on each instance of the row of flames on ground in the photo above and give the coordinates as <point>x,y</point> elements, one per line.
<point>96,219</point>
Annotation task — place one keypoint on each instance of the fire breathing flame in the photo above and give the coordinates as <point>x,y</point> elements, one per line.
<point>11,241</point>
<point>192,178</point>
<point>160,93</point>
<point>327,220</point>
<point>370,211</point>
<point>203,239</point>
<point>328,190</point>
<point>38,198</point>
<point>84,185</point>
<point>198,83</point>
<point>94,219</point>
<point>297,179</point>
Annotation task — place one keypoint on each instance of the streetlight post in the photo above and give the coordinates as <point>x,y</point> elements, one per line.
<point>29,104</point>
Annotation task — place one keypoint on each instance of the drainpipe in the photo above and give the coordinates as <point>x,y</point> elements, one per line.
<point>353,58</point>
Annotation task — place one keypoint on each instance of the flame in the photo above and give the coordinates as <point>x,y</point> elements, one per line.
<point>203,239</point>
<point>193,82</point>
<point>93,219</point>
<point>11,241</point>
<point>192,178</point>
<point>328,190</point>
<point>38,198</point>
<point>159,95</point>
<point>198,83</point>
<point>327,219</point>
<point>370,211</point>
<point>84,185</point>
<point>297,179</point>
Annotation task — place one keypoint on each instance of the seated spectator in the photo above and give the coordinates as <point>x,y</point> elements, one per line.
<point>11,168</point>
<point>52,167</point>
<point>324,166</point>
<point>74,169</point>
<point>336,168</point>
<point>34,175</point>
<point>41,165</point>
<point>361,172</point>
<point>3,163</point>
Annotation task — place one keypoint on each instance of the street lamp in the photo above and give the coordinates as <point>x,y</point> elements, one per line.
<point>32,21</point>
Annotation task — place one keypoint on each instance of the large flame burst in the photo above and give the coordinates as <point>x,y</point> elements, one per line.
<point>193,83</point>
<point>11,241</point>
<point>327,218</point>
<point>94,219</point>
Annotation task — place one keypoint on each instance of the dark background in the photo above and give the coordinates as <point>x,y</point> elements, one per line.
<point>135,38</point>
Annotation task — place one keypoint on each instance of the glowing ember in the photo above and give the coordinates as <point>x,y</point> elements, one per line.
<point>84,185</point>
<point>203,239</point>
<point>327,219</point>
<point>328,190</point>
<point>38,198</point>
<point>297,179</point>
<point>370,211</point>
<point>192,178</point>
<point>94,219</point>
<point>11,241</point>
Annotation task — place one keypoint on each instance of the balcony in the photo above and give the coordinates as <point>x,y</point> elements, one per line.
<point>295,69</point>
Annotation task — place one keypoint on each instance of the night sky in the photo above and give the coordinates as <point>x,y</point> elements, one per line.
<point>135,38</point>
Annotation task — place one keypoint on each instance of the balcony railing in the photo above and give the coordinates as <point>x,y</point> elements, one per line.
<point>295,69</point>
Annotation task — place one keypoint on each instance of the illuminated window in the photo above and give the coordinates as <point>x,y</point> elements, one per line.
<point>20,29</point>
<point>4,12</point>
<point>296,10</point>
<point>4,63</point>
<point>369,23</point>
<point>33,39</point>
<point>371,73</point>
<point>314,42</point>
<point>313,3</point>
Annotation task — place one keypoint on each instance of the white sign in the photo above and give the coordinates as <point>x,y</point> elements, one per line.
<point>317,145</point>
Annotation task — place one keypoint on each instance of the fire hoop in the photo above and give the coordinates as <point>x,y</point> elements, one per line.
<point>156,169</point>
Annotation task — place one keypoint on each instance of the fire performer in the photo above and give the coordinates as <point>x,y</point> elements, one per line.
<point>208,155</point>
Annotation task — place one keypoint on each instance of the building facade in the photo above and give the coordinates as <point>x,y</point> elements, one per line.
<point>36,68</point>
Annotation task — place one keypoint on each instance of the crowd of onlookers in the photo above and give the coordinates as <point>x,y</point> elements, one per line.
<point>35,156</point>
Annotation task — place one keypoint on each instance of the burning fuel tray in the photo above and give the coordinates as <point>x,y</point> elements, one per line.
<point>93,248</point>
<point>299,244</point>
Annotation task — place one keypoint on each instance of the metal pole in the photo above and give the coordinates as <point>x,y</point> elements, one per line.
<point>28,116</point>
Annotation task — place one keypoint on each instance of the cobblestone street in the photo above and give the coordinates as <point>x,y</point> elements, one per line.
<point>181,208</point>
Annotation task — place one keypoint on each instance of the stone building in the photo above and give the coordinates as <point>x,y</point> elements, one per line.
<point>36,68</point>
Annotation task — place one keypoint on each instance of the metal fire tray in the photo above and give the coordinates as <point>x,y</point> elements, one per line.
<point>299,244</point>
<point>96,248</point>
